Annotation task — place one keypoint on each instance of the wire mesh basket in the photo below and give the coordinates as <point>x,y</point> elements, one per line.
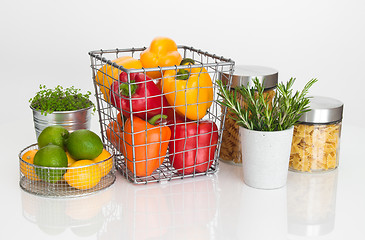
<point>164,127</point>
<point>65,181</point>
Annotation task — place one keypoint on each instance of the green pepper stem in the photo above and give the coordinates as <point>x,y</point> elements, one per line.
<point>187,60</point>
<point>182,74</point>
<point>124,89</point>
<point>155,118</point>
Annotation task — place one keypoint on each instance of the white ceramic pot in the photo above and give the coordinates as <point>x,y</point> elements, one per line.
<point>265,157</point>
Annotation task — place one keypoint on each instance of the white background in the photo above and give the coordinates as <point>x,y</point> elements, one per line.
<point>47,42</point>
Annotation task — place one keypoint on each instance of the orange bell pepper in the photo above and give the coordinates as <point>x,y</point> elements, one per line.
<point>162,52</point>
<point>107,74</point>
<point>150,144</point>
<point>114,131</point>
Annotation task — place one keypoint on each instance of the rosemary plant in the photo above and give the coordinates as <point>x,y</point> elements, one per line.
<point>259,113</point>
<point>60,99</point>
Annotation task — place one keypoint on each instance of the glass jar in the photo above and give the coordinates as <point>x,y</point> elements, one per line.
<point>316,138</point>
<point>243,74</point>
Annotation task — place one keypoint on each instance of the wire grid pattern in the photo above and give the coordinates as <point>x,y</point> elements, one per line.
<point>50,181</point>
<point>113,118</point>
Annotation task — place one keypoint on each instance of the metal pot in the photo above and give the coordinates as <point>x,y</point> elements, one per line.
<point>71,120</point>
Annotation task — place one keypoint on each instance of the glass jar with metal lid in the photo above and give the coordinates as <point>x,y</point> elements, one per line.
<point>316,138</point>
<point>242,76</point>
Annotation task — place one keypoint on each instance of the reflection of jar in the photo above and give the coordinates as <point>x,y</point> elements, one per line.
<point>311,203</point>
<point>231,145</point>
<point>316,139</point>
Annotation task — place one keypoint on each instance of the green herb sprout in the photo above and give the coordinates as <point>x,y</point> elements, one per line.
<point>60,99</point>
<point>259,113</point>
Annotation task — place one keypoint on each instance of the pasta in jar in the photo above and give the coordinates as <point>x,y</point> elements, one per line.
<point>231,143</point>
<point>315,147</point>
<point>316,138</point>
<point>243,75</point>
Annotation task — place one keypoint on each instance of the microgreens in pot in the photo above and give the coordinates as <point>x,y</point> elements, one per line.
<point>60,99</point>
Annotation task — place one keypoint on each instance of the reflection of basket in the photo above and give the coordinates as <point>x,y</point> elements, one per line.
<point>31,177</point>
<point>106,71</point>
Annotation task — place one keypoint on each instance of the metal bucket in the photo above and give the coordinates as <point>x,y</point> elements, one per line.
<point>71,120</point>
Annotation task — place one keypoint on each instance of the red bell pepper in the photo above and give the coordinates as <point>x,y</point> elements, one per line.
<point>145,96</point>
<point>192,146</point>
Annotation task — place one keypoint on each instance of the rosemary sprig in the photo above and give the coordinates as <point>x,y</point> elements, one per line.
<point>259,113</point>
<point>60,99</point>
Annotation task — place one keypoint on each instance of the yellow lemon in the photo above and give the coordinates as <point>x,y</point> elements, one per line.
<point>105,162</point>
<point>26,169</point>
<point>70,159</point>
<point>83,174</point>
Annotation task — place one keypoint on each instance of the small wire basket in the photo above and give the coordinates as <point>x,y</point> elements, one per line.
<point>65,181</point>
<point>144,151</point>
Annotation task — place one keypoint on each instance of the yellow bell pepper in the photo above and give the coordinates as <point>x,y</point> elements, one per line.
<point>190,90</point>
<point>162,52</point>
<point>107,74</point>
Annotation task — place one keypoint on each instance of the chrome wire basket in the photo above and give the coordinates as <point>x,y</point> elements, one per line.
<point>195,117</point>
<point>52,181</point>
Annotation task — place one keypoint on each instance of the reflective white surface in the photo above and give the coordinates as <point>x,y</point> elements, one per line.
<point>220,206</point>
<point>46,42</point>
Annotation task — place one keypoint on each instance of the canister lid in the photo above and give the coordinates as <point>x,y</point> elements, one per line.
<point>323,110</point>
<point>244,74</point>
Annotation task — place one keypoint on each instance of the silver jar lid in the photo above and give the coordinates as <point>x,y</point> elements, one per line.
<point>323,110</point>
<point>244,74</point>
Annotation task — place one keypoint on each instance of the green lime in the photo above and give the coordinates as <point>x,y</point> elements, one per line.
<point>55,135</point>
<point>52,156</point>
<point>84,144</point>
